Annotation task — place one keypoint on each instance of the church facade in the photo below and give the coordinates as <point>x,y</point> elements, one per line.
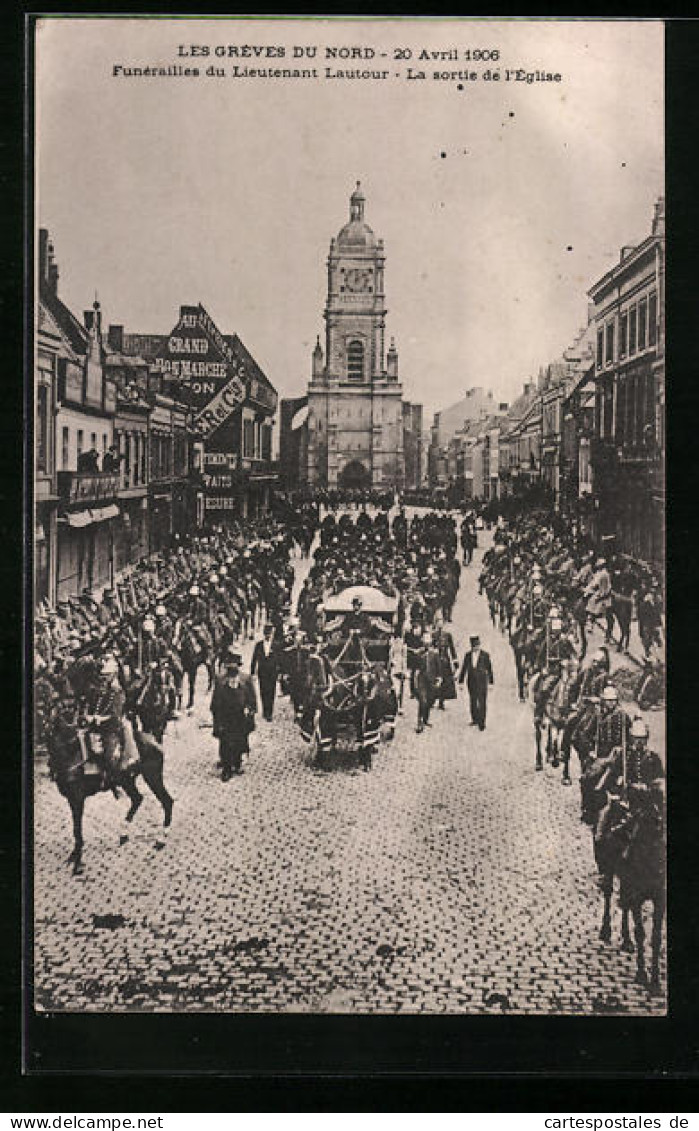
<point>355,412</point>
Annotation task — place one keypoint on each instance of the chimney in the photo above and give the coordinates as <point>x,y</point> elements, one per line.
<point>115,338</point>
<point>626,251</point>
<point>51,268</point>
<point>659,217</point>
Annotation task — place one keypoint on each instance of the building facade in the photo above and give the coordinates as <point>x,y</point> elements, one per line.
<point>220,395</point>
<point>628,454</point>
<point>450,426</point>
<point>46,361</point>
<point>412,445</point>
<point>131,438</point>
<point>355,415</point>
<point>74,525</point>
<point>293,442</point>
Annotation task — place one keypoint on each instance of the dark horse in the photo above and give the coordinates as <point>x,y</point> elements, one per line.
<point>196,648</point>
<point>68,769</point>
<point>631,845</point>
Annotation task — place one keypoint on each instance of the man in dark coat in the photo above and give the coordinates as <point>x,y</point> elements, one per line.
<point>265,662</point>
<point>233,707</point>
<point>428,681</point>
<point>478,673</point>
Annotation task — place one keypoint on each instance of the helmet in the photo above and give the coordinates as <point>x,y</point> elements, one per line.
<point>599,657</point>
<point>214,578</point>
<point>610,694</point>
<point>639,728</point>
<point>160,611</point>
<point>149,625</point>
<point>556,623</point>
<point>194,591</point>
<point>223,572</point>
<point>537,590</point>
<point>554,612</point>
<point>109,665</point>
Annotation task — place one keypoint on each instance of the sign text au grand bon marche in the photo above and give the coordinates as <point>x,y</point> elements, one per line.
<point>215,377</point>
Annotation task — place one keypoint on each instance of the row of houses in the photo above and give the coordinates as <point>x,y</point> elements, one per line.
<point>138,438</point>
<point>588,434</point>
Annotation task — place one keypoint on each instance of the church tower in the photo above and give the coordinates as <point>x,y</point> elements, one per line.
<point>355,417</point>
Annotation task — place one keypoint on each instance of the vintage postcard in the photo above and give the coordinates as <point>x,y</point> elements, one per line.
<point>348,516</point>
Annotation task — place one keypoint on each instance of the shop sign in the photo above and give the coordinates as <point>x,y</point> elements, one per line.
<point>87,488</point>
<point>218,410</point>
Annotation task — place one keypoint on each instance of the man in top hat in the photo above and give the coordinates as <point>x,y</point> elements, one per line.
<point>265,663</point>
<point>478,673</point>
<point>233,707</point>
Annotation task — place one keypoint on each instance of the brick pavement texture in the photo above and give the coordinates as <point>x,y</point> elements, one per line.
<point>451,878</point>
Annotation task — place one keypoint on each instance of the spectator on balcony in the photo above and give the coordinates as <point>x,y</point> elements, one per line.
<point>112,458</point>
<point>89,461</point>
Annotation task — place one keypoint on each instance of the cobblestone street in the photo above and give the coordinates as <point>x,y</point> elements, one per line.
<point>450,878</point>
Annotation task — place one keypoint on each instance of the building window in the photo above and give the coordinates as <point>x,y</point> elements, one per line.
<point>652,318</point>
<point>248,438</point>
<point>355,361</point>
<point>42,428</point>
<point>93,440</point>
<point>632,330</point>
<point>609,355</point>
<point>623,334</point>
<point>267,442</point>
<point>81,441</point>
<point>600,348</point>
<point>65,448</point>
<point>642,323</point>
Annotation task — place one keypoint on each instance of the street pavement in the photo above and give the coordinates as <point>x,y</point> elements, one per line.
<point>452,877</point>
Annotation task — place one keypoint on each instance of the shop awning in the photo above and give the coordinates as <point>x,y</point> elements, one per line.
<point>101,514</point>
<point>79,518</point>
<point>87,517</point>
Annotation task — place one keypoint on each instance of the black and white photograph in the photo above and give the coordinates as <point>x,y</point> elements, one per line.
<point>348,516</point>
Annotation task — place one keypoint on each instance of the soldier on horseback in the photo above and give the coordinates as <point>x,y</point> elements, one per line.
<point>612,732</point>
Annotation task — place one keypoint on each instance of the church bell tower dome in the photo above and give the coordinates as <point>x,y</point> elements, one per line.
<point>357,233</point>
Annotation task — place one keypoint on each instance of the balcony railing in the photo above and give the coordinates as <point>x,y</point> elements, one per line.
<point>75,487</point>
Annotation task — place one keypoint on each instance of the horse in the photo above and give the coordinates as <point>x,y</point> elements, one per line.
<point>69,769</point>
<point>630,843</point>
<point>154,703</point>
<point>557,711</point>
<point>622,608</point>
<point>195,649</point>
<point>541,688</point>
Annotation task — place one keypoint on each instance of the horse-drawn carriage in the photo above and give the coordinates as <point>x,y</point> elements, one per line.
<point>349,694</point>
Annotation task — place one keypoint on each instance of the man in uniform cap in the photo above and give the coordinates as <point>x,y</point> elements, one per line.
<point>477,670</point>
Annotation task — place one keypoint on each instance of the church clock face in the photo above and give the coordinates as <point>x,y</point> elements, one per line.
<point>358,280</point>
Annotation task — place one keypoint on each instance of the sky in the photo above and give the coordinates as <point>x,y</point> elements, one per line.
<point>499,204</point>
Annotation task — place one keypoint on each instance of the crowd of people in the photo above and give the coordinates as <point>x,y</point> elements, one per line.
<point>124,662</point>
<point>545,593</point>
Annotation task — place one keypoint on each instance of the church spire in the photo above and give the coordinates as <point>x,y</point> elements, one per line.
<point>357,201</point>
